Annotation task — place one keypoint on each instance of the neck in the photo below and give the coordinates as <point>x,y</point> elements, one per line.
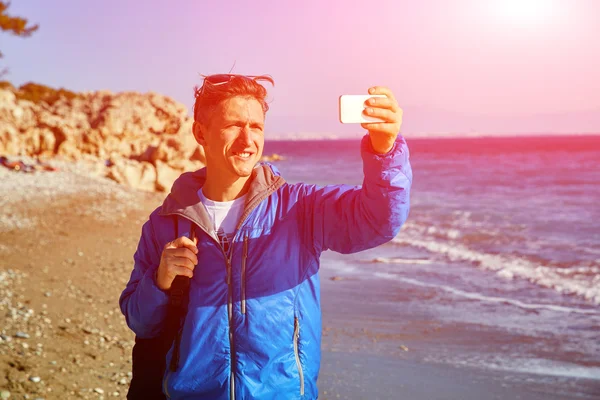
<point>220,188</point>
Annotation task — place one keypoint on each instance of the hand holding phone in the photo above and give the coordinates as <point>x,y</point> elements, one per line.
<point>352,107</point>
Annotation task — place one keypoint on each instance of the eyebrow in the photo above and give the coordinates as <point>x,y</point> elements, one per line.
<point>239,121</point>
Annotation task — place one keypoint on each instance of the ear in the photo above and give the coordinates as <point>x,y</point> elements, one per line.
<point>199,132</point>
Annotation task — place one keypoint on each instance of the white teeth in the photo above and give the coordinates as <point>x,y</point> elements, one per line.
<point>243,155</point>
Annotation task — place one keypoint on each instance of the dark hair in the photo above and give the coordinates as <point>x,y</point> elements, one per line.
<point>209,96</point>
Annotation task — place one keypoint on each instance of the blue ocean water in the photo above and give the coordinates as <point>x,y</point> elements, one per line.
<point>504,230</point>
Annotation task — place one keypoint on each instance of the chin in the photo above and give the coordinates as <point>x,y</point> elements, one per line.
<point>244,174</point>
<point>245,168</point>
<point>245,171</point>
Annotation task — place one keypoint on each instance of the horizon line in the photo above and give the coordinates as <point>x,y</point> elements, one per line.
<point>456,135</point>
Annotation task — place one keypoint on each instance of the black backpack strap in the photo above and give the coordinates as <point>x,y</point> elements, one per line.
<point>178,297</point>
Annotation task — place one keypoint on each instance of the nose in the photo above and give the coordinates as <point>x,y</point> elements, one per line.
<point>245,136</point>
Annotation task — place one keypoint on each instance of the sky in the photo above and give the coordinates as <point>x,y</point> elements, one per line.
<point>455,66</point>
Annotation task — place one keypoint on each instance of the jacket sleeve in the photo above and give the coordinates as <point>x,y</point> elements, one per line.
<point>349,219</point>
<point>142,302</point>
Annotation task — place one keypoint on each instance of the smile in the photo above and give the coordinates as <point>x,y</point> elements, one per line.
<point>244,155</point>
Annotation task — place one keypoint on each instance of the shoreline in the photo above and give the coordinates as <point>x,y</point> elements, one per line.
<point>369,376</point>
<point>362,327</point>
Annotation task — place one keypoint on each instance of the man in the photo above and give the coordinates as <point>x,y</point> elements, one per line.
<point>253,323</point>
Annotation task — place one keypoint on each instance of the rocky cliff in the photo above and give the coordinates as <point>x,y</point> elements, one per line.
<point>144,140</point>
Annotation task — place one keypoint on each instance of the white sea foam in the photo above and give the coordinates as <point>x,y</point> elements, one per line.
<point>534,366</point>
<point>488,299</point>
<point>384,260</point>
<point>584,283</point>
<point>553,368</point>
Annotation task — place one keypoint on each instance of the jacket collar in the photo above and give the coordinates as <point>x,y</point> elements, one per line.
<point>184,200</point>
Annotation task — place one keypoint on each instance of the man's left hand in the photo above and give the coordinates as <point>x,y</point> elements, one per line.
<point>383,134</point>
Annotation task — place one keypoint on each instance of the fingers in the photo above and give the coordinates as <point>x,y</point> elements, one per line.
<point>382,102</point>
<point>178,270</point>
<point>384,114</point>
<point>182,262</point>
<point>382,90</point>
<point>183,252</point>
<point>179,257</point>
<point>183,241</point>
<point>175,261</point>
<point>380,127</point>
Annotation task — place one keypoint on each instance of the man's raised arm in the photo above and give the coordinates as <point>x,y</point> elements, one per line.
<point>348,219</point>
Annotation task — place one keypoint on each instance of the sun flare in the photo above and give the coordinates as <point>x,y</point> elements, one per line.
<point>524,11</point>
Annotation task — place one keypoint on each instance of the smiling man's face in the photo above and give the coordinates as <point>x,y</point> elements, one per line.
<point>233,139</point>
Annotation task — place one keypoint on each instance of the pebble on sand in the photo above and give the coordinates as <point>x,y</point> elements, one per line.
<point>35,379</point>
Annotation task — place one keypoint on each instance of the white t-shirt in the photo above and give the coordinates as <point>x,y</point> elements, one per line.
<point>225,215</point>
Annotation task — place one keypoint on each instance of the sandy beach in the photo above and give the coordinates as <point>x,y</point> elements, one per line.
<point>66,244</point>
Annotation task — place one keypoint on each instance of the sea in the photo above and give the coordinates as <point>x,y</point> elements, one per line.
<point>503,235</point>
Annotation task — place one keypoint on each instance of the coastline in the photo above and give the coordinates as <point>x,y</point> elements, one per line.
<point>369,376</point>
<point>372,351</point>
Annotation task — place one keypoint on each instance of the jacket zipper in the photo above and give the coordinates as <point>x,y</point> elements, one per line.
<point>166,383</point>
<point>228,280</point>
<point>247,212</point>
<point>244,257</point>
<point>230,318</point>
<point>297,354</point>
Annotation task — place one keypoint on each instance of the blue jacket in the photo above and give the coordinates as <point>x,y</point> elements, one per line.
<point>253,327</point>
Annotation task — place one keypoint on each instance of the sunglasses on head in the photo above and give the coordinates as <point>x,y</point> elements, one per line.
<point>220,79</point>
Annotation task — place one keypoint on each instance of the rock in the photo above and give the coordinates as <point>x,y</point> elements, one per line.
<point>140,175</point>
<point>186,165</point>
<point>4,395</point>
<point>131,126</point>
<point>22,335</point>
<point>403,348</point>
<point>165,176</point>
<point>336,278</point>
<point>99,391</point>
<point>69,150</point>
<point>9,139</point>
<point>149,154</point>
<point>273,157</point>
<point>166,151</point>
<point>35,379</point>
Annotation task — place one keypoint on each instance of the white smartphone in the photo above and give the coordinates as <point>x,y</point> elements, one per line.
<point>352,106</point>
